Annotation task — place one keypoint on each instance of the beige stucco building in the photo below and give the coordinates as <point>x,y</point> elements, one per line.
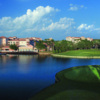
<point>77,39</point>
<point>27,48</point>
<point>22,42</point>
<point>11,42</point>
<point>3,41</point>
<point>7,49</point>
<point>19,42</point>
<point>73,39</point>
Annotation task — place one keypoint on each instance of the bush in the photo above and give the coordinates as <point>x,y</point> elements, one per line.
<point>54,51</point>
<point>14,47</point>
<point>57,51</point>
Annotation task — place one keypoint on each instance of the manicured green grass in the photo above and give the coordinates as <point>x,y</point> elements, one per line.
<point>77,83</point>
<point>75,95</point>
<point>90,52</point>
<point>84,74</point>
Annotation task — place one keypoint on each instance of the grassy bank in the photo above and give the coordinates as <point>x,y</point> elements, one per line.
<point>45,53</point>
<point>90,53</point>
<point>77,83</point>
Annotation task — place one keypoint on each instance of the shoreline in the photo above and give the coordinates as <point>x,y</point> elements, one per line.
<point>67,86</point>
<point>20,53</point>
<point>86,57</point>
<point>26,53</point>
<point>44,53</point>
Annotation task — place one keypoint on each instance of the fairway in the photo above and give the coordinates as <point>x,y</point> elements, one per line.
<point>87,53</point>
<point>91,52</point>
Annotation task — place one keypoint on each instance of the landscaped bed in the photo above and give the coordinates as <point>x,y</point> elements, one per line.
<point>76,83</point>
<point>87,53</point>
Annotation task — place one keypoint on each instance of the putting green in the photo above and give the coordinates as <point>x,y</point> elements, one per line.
<point>76,83</point>
<point>85,74</point>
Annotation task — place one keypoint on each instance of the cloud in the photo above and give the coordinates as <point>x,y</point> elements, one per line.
<point>97,29</point>
<point>32,17</point>
<point>39,22</point>
<point>85,27</point>
<point>88,30</point>
<point>62,24</point>
<point>27,21</point>
<point>76,7</point>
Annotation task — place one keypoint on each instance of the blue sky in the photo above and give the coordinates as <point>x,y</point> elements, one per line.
<point>50,18</point>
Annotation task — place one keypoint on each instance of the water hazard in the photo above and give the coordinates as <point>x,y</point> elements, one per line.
<point>22,76</point>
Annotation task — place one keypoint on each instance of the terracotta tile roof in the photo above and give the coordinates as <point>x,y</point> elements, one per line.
<point>22,39</point>
<point>13,40</point>
<point>2,37</point>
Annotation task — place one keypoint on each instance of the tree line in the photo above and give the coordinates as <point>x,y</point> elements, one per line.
<point>62,46</point>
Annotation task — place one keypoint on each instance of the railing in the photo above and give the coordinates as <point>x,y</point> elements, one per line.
<point>19,51</point>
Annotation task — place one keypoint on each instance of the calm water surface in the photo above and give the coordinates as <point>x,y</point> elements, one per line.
<point>22,76</point>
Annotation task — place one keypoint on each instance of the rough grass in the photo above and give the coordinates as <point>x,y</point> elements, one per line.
<point>77,83</point>
<point>75,95</point>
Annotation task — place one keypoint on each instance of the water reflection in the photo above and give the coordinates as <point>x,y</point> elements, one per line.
<point>64,60</point>
<point>3,59</point>
<point>31,73</point>
<point>25,59</point>
<point>41,58</point>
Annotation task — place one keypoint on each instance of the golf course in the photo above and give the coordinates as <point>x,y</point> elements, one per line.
<point>76,83</point>
<point>86,53</point>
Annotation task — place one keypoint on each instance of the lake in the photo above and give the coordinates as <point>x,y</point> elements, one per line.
<point>22,76</point>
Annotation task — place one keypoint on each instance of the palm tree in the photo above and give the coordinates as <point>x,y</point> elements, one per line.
<point>96,43</point>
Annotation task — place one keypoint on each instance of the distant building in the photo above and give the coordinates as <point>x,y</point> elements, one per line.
<point>83,38</point>
<point>36,39</point>
<point>19,42</point>
<point>50,39</point>
<point>11,38</point>
<point>26,48</point>
<point>49,48</point>
<point>73,39</point>
<point>24,44</point>
<point>77,39</point>
<point>89,39</point>
<point>13,41</point>
<point>3,41</point>
<point>7,49</point>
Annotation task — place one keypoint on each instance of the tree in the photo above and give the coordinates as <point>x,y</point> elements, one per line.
<point>62,46</point>
<point>96,43</point>
<point>49,43</point>
<point>84,44</point>
<point>40,45</point>
<point>14,47</point>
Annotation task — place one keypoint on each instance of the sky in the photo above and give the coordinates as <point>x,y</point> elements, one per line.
<point>55,19</point>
